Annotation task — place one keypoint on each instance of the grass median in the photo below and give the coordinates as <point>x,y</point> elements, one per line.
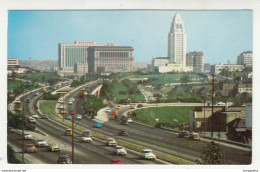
<point>48,107</point>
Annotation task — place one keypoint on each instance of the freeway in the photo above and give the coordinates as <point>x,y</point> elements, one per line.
<point>158,139</point>
<point>85,153</point>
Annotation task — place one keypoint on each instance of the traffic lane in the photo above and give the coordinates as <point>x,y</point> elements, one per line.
<point>97,148</point>
<point>161,139</point>
<point>232,153</point>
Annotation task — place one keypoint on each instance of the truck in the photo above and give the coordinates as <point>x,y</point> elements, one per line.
<point>81,94</point>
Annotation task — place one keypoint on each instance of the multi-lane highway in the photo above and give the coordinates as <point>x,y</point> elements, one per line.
<point>158,139</point>
<point>85,153</point>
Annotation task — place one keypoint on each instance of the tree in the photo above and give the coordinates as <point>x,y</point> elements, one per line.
<point>184,79</point>
<point>212,155</point>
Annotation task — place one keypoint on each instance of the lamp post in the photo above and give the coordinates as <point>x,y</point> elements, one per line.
<point>212,101</point>
<point>72,113</point>
<point>130,110</point>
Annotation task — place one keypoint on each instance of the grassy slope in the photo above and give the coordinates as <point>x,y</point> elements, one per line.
<point>171,116</point>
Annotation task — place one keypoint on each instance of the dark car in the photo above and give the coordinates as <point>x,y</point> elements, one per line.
<point>63,159</point>
<point>123,132</point>
<point>184,134</point>
<point>10,130</point>
<point>140,106</point>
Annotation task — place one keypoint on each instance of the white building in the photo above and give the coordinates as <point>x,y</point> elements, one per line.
<point>177,41</point>
<point>216,69</point>
<point>12,62</point>
<point>174,68</point>
<point>245,58</point>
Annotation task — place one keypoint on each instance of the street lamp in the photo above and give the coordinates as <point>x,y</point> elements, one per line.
<point>130,110</point>
<point>72,113</point>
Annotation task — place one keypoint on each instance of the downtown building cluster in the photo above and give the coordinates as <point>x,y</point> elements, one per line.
<point>178,60</point>
<point>89,57</point>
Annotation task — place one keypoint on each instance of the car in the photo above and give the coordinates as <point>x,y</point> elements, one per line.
<point>67,116</point>
<point>116,161</point>
<point>45,116</point>
<point>147,154</point>
<point>68,132</point>
<point>123,132</point>
<point>221,103</point>
<point>17,101</point>
<point>119,150</point>
<point>70,102</point>
<point>10,129</point>
<point>110,142</point>
<point>72,99</point>
<point>61,101</point>
<point>85,93</point>
<point>36,94</point>
<point>97,125</point>
<point>86,139</point>
<point>133,107</point>
<point>30,148</point>
<point>86,133</point>
<point>194,136</point>
<point>108,110</point>
<point>63,111</point>
<point>32,120</point>
<point>35,116</point>
<point>27,136</point>
<point>110,104</point>
<point>140,106</point>
<point>36,107</point>
<point>78,116</point>
<point>124,122</point>
<point>41,143</point>
<point>53,148</point>
<point>129,120</point>
<point>61,107</point>
<point>28,100</point>
<point>118,107</point>
<point>63,159</point>
<point>18,108</point>
<point>184,134</point>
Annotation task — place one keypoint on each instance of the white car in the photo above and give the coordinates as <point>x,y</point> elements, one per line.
<point>70,102</point>
<point>119,150</point>
<point>78,116</point>
<point>61,107</point>
<point>147,154</point>
<point>221,103</point>
<point>110,142</point>
<point>61,101</point>
<point>129,120</point>
<point>27,136</point>
<point>85,93</point>
<point>72,99</point>
<point>53,148</point>
<point>86,139</point>
<point>41,143</point>
<point>18,101</point>
<point>32,120</point>
<point>35,116</point>
<point>108,110</point>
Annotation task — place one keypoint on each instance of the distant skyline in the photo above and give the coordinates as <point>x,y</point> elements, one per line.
<point>220,35</point>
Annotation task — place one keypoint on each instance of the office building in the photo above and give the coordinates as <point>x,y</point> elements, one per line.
<point>245,58</point>
<point>70,54</point>
<point>196,61</point>
<point>216,69</point>
<point>110,58</point>
<point>177,41</point>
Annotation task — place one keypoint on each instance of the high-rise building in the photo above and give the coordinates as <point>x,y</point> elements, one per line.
<point>245,58</point>
<point>177,41</point>
<point>195,60</point>
<point>70,54</point>
<point>110,58</point>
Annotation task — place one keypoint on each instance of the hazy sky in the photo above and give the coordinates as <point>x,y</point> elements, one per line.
<point>220,35</point>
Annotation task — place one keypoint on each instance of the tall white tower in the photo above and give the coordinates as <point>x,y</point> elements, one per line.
<point>177,41</point>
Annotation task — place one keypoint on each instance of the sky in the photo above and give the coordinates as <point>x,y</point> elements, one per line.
<point>220,35</point>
